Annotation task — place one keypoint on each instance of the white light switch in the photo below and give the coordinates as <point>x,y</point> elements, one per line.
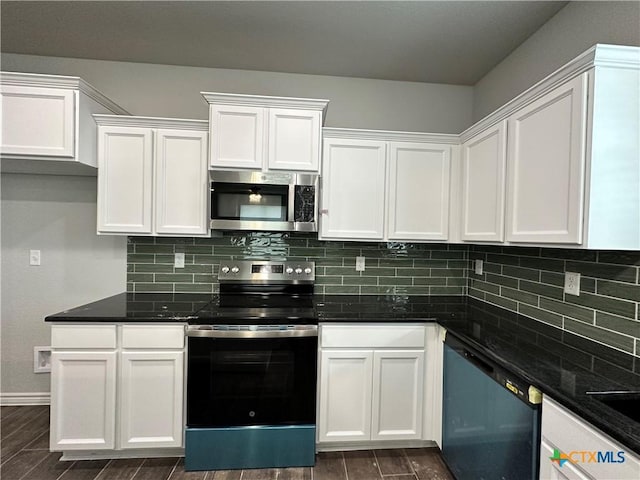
<point>359,264</point>
<point>34,257</point>
<point>178,261</point>
<point>478,267</point>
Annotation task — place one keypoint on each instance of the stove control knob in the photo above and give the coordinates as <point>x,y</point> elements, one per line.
<point>298,270</point>
<point>225,269</point>
<point>307,270</point>
<point>289,270</point>
<point>235,270</point>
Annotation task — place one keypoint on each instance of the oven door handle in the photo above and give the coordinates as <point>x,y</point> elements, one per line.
<point>307,331</point>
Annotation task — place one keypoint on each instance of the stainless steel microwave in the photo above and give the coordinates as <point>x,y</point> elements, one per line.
<point>264,201</point>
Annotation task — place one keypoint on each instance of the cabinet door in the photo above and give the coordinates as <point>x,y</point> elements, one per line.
<point>125,179</point>
<point>546,167</point>
<point>294,139</point>
<point>151,393</point>
<point>553,471</point>
<point>181,182</point>
<point>419,191</point>
<point>345,395</point>
<point>237,136</point>
<point>38,121</point>
<point>483,178</point>
<point>353,185</point>
<point>397,394</point>
<point>83,400</point>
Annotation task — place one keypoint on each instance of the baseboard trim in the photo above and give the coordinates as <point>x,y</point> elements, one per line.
<point>373,445</point>
<point>27,398</point>
<point>70,455</point>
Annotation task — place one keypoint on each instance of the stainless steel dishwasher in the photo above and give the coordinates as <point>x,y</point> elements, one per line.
<point>491,418</point>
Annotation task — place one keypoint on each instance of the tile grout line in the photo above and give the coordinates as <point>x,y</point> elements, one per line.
<point>103,468</point>
<point>377,462</point>
<point>71,464</point>
<point>344,465</point>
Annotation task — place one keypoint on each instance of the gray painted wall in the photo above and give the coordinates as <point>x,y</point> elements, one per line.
<point>172,91</point>
<point>574,29</point>
<point>57,215</point>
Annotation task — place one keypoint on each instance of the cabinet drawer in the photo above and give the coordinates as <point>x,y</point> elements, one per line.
<point>571,435</point>
<point>153,336</point>
<point>372,336</point>
<point>83,336</point>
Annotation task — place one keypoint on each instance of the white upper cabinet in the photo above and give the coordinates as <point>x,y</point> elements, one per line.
<point>353,189</point>
<point>380,185</point>
<point>572,162</point>
<point>265,133</point>
<point>294,139</point>
<point>181,182</point>
<point>47,125</point>
<point>483,182</point>
<point>419,175</point>
<point>546,167</point>
<point>237,136</point>
<point>153,177</point>
<point>125,162</point>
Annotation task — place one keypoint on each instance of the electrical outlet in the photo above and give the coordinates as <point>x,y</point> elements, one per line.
<point>359,264</point>
<point>572,283</point>
<point>178,260</point>
<point>34,257</point>
<point>478,267</point>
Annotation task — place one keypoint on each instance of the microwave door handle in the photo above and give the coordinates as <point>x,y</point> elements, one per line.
<point>291,202</point>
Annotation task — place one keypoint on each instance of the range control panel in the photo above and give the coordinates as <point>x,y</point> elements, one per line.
<point>266,271</point>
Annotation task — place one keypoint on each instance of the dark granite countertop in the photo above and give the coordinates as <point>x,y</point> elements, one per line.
<point>561,364</point>
<point>137,307</point>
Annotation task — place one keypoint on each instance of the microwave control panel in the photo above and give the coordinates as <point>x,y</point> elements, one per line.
<point>304,205</point>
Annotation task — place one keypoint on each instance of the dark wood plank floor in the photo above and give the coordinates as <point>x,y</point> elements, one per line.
<point>24,455</point>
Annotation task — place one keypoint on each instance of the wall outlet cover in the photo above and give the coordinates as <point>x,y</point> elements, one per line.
<point>359,264</point>
<point>572,283</point>
<point>178,261</point>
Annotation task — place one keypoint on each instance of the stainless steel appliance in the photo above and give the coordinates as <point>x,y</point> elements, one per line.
<point>264,201</point>
<point>251,373</point>
<point>491,418</point>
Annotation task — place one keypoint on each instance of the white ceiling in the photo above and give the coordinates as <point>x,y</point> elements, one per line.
<point>455,42</point>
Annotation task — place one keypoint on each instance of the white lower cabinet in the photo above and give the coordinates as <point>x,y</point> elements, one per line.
<point>151,399</point>
<point>397,395</point>
<point>83,400</point>
<point>589,453</point>
<point>117,387</point>
<point>372,383</point>
<point>345,395</point>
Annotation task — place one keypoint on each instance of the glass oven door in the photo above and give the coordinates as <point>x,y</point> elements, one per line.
<point>251,381</point>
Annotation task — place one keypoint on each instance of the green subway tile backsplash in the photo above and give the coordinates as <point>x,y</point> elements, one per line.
<point>392,268</point>
<point>530,281</point>
<point>527,280</point>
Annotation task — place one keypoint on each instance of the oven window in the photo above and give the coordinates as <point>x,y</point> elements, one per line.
<point>249,202</point>
<point>237,382</point>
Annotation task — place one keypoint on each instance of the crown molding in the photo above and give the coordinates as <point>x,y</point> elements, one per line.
<point>600,55</point>
<point>61,81</point>
<point>151,122</point>
<point>390,135</point>
<point>266,101</point>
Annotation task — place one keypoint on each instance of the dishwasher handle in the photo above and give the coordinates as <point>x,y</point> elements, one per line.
<point>478,362</point>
